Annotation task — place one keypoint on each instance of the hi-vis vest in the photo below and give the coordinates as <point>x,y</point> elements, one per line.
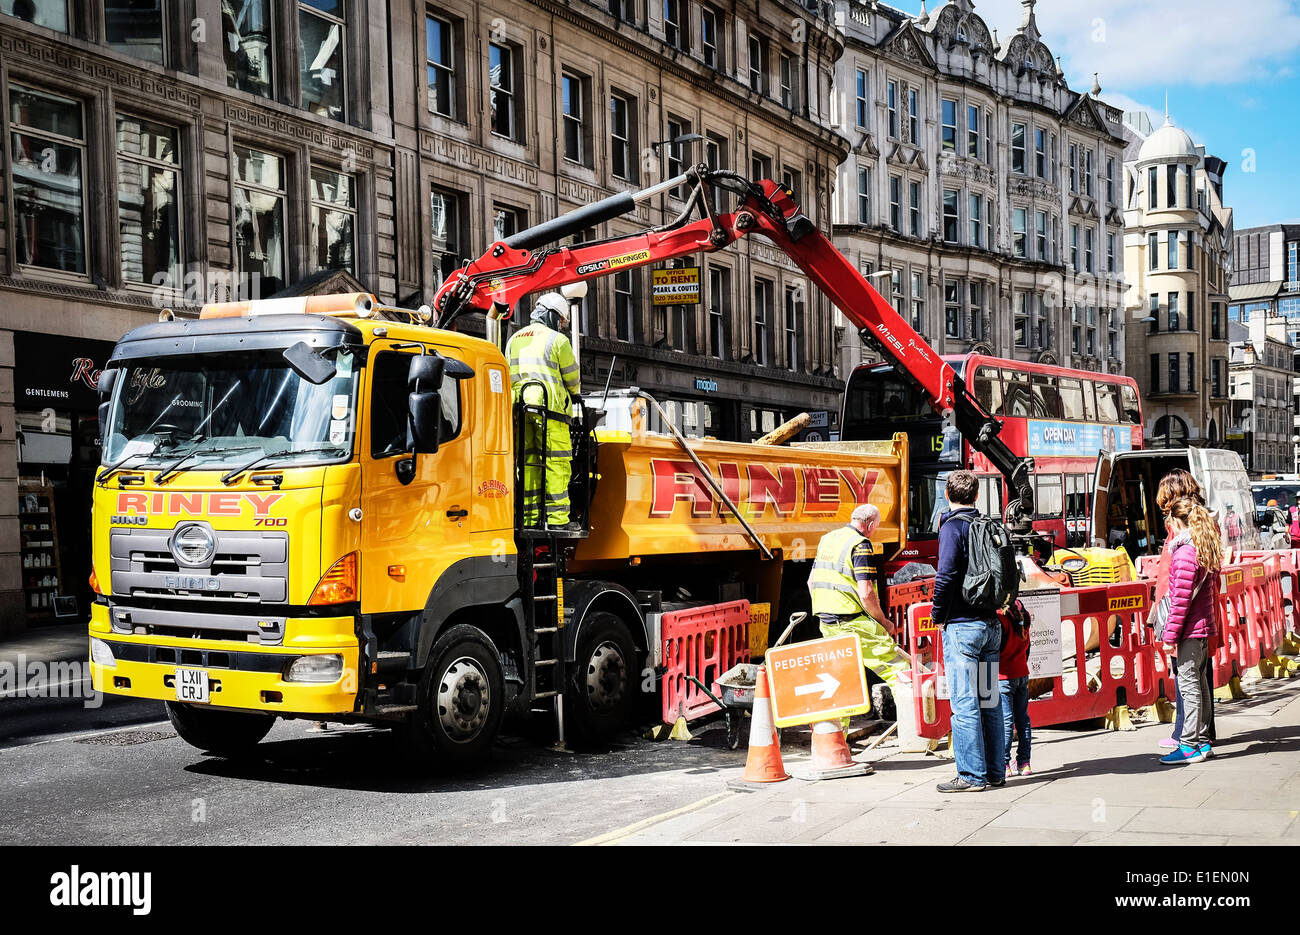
<point>538,354</point>
<point>834,589</point>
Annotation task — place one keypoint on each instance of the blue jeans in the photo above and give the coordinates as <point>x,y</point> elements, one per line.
<point>970,658</point>
<point>1178,699</point>
<point>1015,714</point>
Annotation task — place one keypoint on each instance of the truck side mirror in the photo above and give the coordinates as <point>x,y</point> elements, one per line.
<point>424,404</point>
<point>107,381</point>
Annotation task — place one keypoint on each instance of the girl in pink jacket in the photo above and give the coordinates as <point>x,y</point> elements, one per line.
<point>1196,554</point>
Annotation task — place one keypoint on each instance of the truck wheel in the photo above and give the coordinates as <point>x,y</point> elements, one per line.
<point>225,733</point>
<point>461,699</point>
<point>604,682</point>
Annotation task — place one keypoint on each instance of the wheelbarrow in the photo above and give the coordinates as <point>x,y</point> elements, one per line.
<point>737,685</point>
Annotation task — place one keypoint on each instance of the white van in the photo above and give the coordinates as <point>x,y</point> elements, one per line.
<point>1124,509</point>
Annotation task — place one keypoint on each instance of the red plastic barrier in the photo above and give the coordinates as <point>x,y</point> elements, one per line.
<point>1129,672</point>
<point>704,642</point>
<point>1147,565</point>
<point>899,599</point>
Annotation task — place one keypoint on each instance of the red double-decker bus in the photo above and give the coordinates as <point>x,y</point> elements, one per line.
<point>1060,417</point>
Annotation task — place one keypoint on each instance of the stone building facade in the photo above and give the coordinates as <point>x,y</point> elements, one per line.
<point>167,154</point>
<point>1178,249</point>
<point>1259,389</point>
<point>987,188</point>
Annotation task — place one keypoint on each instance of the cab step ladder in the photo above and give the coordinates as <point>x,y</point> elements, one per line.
<point>541,572</point>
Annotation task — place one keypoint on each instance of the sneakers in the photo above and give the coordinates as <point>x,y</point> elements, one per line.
<point>1205,751</point>
<point>957,784</point>
<point>1168,743</point>
<point>997,783</point>
<point>1184,754</point>
<point>1023,769</point>
<point>1013,770</point>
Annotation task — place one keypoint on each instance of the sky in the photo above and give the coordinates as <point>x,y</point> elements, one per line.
<point>1231,70</point>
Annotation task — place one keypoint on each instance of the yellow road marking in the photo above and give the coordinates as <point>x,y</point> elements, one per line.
<point>618,834</point>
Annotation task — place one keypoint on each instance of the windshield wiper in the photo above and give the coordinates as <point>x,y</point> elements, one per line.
<point>229,476</point>
<point>120,465</point>
<point>175,466</point>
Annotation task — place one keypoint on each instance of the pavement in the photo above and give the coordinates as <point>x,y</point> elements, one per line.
<point>1087,787</point>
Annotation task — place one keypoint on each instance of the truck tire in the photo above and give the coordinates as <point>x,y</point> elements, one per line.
<point>225,733</point>
<point>461,700</point>
<point>604,680</point>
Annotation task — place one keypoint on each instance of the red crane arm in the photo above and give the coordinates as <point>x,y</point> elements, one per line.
<point>522,264</point>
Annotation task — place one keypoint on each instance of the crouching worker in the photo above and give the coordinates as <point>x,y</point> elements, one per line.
<point>844,599</point>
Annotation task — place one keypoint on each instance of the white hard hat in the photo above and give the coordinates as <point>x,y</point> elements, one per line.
<point>555,302</point>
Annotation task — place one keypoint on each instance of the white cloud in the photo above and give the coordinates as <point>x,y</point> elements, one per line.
<point>1158,42</point>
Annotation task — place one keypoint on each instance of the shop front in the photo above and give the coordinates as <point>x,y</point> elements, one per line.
<point>57,436</point>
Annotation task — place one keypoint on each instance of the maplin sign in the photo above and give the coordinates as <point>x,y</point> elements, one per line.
<point>705,385</point>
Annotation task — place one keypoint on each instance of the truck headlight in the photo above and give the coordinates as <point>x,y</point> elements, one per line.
<point>327,668</point>
<point>102,654</point>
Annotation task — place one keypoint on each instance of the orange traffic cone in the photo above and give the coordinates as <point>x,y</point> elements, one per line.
<point>764,761</point>
<point>830,754</point>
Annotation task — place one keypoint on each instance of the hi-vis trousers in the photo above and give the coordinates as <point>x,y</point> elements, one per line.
<point>553,439</point>
<point>880,653</point>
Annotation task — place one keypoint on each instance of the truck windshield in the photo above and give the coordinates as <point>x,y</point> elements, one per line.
<point>222,408</point>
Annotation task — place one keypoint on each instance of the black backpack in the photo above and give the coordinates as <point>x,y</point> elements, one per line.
<point>992,572</point>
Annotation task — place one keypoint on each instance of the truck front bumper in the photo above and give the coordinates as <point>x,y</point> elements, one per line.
<point>240,675</point>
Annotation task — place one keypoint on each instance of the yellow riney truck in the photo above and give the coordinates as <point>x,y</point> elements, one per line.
<point>308,510</point>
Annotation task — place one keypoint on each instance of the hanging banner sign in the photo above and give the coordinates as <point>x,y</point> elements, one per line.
<point>676,286</point>
<point>56,372</point>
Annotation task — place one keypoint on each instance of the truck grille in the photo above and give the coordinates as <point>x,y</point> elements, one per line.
<point>246,566</point>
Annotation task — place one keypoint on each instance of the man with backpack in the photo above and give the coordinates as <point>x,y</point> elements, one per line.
<point>977,576</point>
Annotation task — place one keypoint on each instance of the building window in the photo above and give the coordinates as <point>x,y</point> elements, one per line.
<point>1191,372</point>
<point>248,45</point>
<point>1171,186</point>
<point>573,108</point>
<point>1153,251</point>
<point>1191,311</point>
<point>1087,172</point>
<point>506,222</point>
<point>1076,332</point>
<point>1092,331</point>
<point>1040,152</point>
<point>321,45</point>
<point>978,310</point>
<point>1074,247</point>
<point>788,77</point>
<point>622,117</point>
<point>1153,187</point>
<point>972,131</point>
<point>259,222</point>
<point>952,307</point>
<point>1088,235</point>
<point>764,310</point>
<point>976,220</point>
<point>793,327</point>
<point>1215,319</point>
<point>440,64</point>
<point>148,202</point>
<point>1110,180</point>
<point>950,215</point>
<point>626,305</point>
<point>895,202</point>
<point>1019,235</point>
<point>1022,320</point>
<point>862,107</point>
<point>52,14</point>
<point>758,64</point>
<point>46,172</point>
<point>792,179</point>
<point>1074,167</point>
<point>864,195</point>
<point>914,207</point>
<point>711,37</point>
<point>1174,323</point>
<point>719,312</point>
<point>1175,369</point>
<point>1155,373</point>
<point>949,115</point>
<point>677,127</point>
<point>1153,312</point>
<point>501,77</point>
<point>715,157</point>
<point>1293,261</point>
<point>1040,235</point>
<point>918,300</point>
<point>333,220</point>
<point>914,116</point>
<point>135,28</point>
<point>760,166</point>
<point>892,102</point>
<point>674,32</point>
<point>445,214</point>
<point>1018,148</point>
<point>1110,253</point>
<point>1173,250</point>
<point>897,299</point>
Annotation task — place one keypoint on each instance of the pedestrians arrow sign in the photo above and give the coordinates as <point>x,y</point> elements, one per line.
<point>826,684</point>
<point>817,681</point>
